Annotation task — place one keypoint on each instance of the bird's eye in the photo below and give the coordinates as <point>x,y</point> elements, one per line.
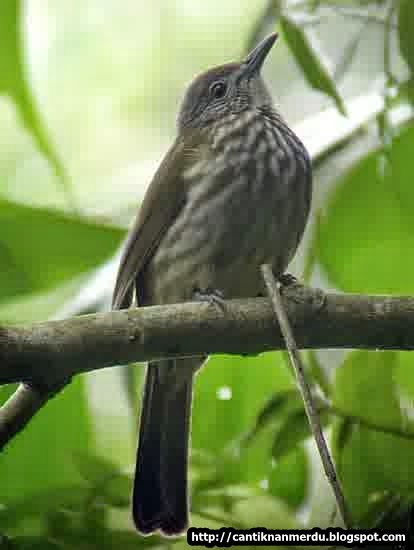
<point>218,90</point>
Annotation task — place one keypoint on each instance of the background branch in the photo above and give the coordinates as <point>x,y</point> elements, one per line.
<point>18,410</point>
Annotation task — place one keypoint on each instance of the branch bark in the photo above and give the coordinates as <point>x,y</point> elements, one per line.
<point>47,353</point>
<point>45,356</point>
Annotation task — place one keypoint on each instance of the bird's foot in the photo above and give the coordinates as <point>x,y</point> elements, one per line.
<point>287,279</point>
<point>210,295</point>
<point>290,286</point>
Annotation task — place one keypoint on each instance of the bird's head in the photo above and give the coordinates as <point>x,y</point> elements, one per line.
<point>230,88</point>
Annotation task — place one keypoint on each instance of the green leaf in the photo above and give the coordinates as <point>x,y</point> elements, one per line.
<point>32,543</point>
<point>317,372</point>
<point>222,497</point>
<point>310,60</point>
<point>13,82</point>
<point>94,518</point>
<point>293,431</point>
<point>234,389</point>
<point>31,308</point>
<point>288,478</point>
<point>367,230</point>
<point>353,387</point>
<point>109,539</point>
<point>40,248</point>
<point>404,375</point>
<point>405,31</point>
<point>42,503</point>
<point>265,511</point>
<point>63,525</point>
<point>40,459</point>
<point>284,414</point>
<point>95,469</point>
<point>117,491</point>
<point>271,411</point>
<point>371,462</point>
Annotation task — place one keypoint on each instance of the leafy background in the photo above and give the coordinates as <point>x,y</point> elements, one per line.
<point>89,92</point>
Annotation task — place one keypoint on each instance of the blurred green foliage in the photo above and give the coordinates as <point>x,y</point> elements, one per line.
<point>63,246</point>
<point>13,81</point>
<point>64,483</point>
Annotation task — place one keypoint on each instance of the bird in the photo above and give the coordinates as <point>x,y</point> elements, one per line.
<point>232,193</point>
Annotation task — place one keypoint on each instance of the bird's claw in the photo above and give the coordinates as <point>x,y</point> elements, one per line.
<point>287,279</point>
<point>210,295</point>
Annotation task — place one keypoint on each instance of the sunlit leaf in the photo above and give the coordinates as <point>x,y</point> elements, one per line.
<point>14,82</point>
<point>270,412</point>
<point>310,60</point>
<point>288,478</point>
<point>233,391</point>
<point>404,375</point>
<point>370,461</point>
<point>367,228</point>
<point>30,308</point>
<point>40,459</point>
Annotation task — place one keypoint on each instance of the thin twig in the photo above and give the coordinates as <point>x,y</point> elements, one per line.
<point>310,405</point>
<point>368,16</point>
<point>360,15</point>
<point>323,405</point>
<point>18,410</point>
<point>22,406</point>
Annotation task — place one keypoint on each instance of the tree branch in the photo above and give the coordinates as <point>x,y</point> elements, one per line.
<point>46,353</point>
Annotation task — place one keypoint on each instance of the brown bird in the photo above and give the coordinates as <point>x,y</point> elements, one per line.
<point>232,193</point>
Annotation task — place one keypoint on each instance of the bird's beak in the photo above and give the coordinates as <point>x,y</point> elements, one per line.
<point>255,59</point>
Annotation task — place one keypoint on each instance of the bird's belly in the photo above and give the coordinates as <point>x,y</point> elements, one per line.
<point>222,252</point>
<point>173,281</point>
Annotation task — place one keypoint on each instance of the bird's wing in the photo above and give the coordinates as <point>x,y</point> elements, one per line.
<point>164,199</point>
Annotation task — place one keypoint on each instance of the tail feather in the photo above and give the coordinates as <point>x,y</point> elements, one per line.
<point>159,498</point>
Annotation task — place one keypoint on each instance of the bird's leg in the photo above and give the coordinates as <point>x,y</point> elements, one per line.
<point>212,296</point>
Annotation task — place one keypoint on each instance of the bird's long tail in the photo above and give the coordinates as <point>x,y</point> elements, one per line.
<point>159,499</point>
